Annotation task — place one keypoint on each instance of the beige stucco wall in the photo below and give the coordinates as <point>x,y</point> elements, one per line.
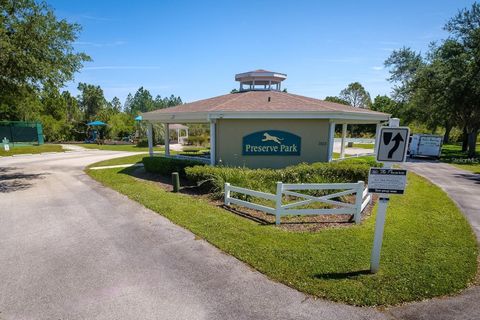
<point>230,132</point>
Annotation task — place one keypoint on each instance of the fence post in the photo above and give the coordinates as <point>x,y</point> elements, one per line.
<point>278,203</point>
<point>227,194</point>
<point>358,202</point>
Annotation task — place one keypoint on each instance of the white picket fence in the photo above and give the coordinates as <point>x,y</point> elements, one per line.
<point>362,199</point>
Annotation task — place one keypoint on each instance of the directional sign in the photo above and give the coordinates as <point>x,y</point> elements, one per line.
<point>392,144</point>
<point>387,181</point>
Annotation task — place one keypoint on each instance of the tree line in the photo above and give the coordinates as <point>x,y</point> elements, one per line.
<point>37,59</point>
<point>439,89</point>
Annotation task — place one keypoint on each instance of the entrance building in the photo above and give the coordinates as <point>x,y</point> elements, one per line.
<point>263,126</point>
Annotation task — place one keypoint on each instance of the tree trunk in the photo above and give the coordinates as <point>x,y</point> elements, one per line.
<point>464,139</point>
<point>472,143</point>
<point>448,128</point>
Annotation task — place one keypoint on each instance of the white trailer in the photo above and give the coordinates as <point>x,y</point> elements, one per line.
<point>425,145</point>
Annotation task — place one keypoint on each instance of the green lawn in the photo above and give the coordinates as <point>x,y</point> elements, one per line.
<point>124,160</point>
<point>30,149</point>
<point>452,153</point>
<point>429,248</point>
<point>364,145</point>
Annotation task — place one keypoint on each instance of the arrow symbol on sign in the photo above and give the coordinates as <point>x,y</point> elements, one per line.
<point>398,138</point>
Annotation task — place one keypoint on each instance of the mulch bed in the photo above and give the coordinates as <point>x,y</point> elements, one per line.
<point>310,223</point>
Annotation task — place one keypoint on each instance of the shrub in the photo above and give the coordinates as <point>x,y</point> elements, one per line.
<point>143,143</point>
<point>197,140</point>
<point>165,166</point>
<point>212,179</point>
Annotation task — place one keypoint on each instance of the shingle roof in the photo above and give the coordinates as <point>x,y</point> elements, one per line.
<point>262,101</point>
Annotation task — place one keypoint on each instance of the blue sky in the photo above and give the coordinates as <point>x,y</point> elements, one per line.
<point>194,48</point>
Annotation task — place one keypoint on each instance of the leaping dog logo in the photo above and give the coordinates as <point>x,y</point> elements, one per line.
<point>267,137</point>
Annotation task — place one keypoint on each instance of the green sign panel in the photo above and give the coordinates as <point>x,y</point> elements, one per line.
<point>271,143</point>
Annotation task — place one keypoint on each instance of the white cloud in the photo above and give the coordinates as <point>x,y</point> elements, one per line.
<point>123,68</point>
<point>377,68</point>
<point>100,44</point>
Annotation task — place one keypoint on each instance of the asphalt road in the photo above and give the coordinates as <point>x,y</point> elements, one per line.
<point>72,249</point>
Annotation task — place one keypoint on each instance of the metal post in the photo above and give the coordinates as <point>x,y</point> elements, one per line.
<point>379,226</point>
<point>150,138</point>
<point>278,203</point>
<point>358,202</point>
<point>377,136</point>
<point>377,241</point>
<point>167,139</point>
<point>213,134</point>
<point>227,194</point>
<point>331,140</point>
<point>344,136</point>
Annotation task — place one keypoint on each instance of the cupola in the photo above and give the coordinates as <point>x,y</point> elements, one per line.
<point>260,80</point>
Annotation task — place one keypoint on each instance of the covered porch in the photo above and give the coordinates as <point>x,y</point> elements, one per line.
<point>213,132</point>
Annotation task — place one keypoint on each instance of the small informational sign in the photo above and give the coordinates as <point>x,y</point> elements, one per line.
<point>272,143</point>
<point>392,144</point>
<point>387,181</point>
<point>6,146</point>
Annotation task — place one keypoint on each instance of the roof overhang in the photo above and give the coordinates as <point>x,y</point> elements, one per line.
<point>204,117</point>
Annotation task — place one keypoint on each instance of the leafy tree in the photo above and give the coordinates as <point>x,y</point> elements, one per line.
<point>36,50</point>
<point>336,100</point>
<point>121,125</point>
<point>356,95</point>
<point>464,28</point>
<point>128,103</point>
<point>384,104</point>
<point>91,100</point>
<point>403,65</point>
<point>141,102</point>
<point>116,104</point>
<point>444,87</point>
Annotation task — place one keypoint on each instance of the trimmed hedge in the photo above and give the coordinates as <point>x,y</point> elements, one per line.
<point>165,166</point>
<point>212,179</point>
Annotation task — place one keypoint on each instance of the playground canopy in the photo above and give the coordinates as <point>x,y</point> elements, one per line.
<point>96,123</point>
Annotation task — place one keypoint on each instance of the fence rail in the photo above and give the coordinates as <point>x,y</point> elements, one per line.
<point>362,199</point>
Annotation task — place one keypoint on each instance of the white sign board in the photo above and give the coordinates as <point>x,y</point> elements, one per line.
<point>392,144</point>
<point>6,147</point>
<point>387,181</point>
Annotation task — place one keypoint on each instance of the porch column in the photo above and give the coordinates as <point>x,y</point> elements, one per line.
<point>344,135</point>
<point>377,136</point>
<point>331,140</point>
<point>167,139</point>
<point>150,138</point>
<point>213,134</point>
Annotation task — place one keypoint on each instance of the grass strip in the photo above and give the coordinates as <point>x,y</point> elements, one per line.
<point>429,248</point>
<point>30,149</point>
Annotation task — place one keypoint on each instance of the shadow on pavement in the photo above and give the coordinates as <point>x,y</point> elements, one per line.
<point>473,177</point>
<point>12,180</point>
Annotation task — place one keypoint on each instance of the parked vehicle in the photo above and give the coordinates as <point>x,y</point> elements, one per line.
<point>425,145</point>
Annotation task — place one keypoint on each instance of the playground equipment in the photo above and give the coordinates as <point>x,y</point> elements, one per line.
<point>93,137</point>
